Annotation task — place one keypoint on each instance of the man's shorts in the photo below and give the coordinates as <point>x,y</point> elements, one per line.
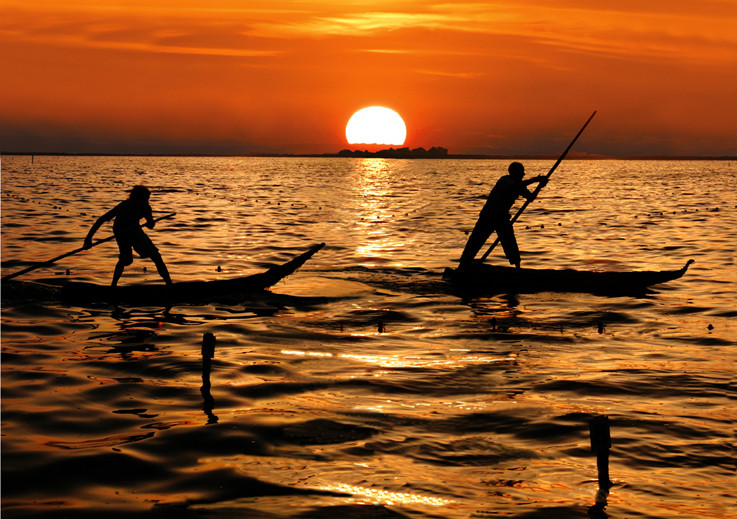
<point>134,239</point>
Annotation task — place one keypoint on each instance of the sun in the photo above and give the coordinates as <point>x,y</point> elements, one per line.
<point>376,125</point>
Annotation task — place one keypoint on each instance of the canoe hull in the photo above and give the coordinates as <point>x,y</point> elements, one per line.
<point>481,278</point>
<point>186,291</point>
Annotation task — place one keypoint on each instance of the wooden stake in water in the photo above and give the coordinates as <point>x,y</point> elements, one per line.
<point>601,442</point>
<point>208,352</point>
<point>208,346</point>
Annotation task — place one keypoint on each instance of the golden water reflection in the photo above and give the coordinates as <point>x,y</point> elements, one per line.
<point>396,362</point>
<point>379,496</point>
<point>375,212</point>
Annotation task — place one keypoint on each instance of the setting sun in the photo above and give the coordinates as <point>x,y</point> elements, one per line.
<point>376,125</point>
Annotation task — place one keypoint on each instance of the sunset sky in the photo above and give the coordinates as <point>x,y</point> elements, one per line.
<point>236,76</point>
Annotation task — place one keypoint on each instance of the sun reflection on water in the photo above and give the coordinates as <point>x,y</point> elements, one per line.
<point>374,189</point>
<point>385,497</point>
<point>390,361</point>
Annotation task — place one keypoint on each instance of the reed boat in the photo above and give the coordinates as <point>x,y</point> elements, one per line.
<point>481,278</point>
<point>182,292</point>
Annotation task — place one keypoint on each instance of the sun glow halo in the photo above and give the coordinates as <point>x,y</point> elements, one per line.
<point>376,125</point>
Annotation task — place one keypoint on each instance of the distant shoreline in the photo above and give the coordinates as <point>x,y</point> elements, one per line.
<point>389,154</point>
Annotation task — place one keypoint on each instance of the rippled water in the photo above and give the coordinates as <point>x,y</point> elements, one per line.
<point>360,386</point>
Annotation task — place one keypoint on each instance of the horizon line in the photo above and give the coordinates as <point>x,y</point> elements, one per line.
<point>449,156</point>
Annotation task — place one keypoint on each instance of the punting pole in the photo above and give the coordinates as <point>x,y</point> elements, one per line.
<point>539,186</point>
<point>67,254</point>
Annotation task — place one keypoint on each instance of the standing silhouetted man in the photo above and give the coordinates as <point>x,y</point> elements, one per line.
<point>129,233</point>
<point>495,215</point>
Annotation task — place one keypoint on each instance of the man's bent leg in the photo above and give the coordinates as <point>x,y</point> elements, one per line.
<point>509,243</point>
<point>481,232</point>
<point>161,268</point>
<point>119,267</point>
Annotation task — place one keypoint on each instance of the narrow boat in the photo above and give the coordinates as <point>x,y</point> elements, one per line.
<point>185,291</point>
<point>481,278</point>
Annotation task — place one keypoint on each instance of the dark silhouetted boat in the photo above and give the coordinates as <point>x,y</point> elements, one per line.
<point>182,292</point>
<point>481,278</point>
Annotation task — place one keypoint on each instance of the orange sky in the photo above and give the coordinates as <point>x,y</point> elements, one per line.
<point>232,76</point>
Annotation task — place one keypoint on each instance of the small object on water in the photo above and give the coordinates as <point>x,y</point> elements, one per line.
<point>600,325</point>
<point>220,269</point>
<point>542,226</point>
<point>145,269</point>
<point>381,327</point>
<point>67,272</point>
<point>710,327</point>
<point>559,224</point>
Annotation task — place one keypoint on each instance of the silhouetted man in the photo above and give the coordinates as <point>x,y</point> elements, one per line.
<point>495,215</point>
<point>129,234</point>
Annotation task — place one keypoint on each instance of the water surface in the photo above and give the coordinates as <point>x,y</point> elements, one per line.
<point>360,386</point>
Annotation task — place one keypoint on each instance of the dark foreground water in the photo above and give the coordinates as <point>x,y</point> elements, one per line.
<point>361,387</point>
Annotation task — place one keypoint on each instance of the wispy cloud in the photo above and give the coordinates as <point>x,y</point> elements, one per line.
<point>225,27</point>
<point>133,46</point>
<point>612,32</point>
<point>130,32</point>
<point>358,24</point>
<point>446,73</point>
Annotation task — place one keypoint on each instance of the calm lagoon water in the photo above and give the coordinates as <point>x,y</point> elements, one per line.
<point>360,386</point>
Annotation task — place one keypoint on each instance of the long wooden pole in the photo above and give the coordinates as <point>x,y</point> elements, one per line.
<point>540,186</point>
<point>67,254</point>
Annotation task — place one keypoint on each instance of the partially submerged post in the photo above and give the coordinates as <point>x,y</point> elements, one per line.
<point>208,352</point>
<point>601,442</point>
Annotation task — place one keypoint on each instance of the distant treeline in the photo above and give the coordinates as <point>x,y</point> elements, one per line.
<point>435,152</point>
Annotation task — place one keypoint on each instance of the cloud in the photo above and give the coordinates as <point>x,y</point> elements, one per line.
<point>108,29</point>
<point>632,32</point>
<point>82,42</point>
<point>446,73</point>
<point>646,29</point>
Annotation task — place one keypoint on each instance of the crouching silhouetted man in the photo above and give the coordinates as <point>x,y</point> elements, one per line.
<point>495,215</point>
<point>129,234</point>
